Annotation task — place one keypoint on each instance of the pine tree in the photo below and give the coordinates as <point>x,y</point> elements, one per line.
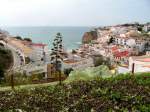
<point>56,55</point>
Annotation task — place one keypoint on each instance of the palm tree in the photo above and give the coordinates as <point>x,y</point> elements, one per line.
<point>56,55</point>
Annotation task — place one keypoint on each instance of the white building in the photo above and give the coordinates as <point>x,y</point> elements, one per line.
<point>146,28</point>
<point>131,43</point>
<point>148,53</point>
<point>142,64</point>
<point>40,52</point>
<point>140,45</point>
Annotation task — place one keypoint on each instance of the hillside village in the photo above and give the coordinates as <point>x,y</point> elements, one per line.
<point>124,45</point>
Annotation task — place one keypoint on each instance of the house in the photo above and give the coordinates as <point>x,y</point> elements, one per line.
<point>148,53</point>
<point>121,56</point>
<point>146,27</point>
<point>141,63</point>
<point>140,44</point>
<point>39,53</point>
<point>131,42</point>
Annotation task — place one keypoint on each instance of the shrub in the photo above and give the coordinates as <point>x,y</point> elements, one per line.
<point>120,94</point>
<point>28,39</point>
<point>1,73</point>
<point>19,79</point>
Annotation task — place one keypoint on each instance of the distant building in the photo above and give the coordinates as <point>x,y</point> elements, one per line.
<point>131,43</point>
<point>148,53</point>
<point>141,45</point>
<point>39,52</point>
<point>146,27</point>
<point>142,63</point>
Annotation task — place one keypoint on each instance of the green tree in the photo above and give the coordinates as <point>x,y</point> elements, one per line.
<point>67,71</point>
<point>28,39</point>
<point>100,60</point>
<point>111,40</point>
<point>140,29</point>
<point>5,58</point>
<point>1,72</point>
<point>18,37</point>
<point>56,54</point>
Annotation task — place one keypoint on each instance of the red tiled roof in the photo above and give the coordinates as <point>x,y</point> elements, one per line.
<point>114,48</point>
<point>121,54</point>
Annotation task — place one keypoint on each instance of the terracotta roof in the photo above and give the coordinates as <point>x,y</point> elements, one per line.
<point>114,48</point>
<point>121,54</point>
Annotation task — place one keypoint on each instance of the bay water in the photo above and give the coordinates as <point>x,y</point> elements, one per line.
<point>72,36</point>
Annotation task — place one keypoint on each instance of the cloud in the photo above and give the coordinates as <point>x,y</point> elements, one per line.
<point>72,12</point>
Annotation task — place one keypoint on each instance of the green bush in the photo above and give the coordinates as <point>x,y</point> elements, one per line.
<point>121,94</point>
<point>1,73</point>
<point>36,77</point>
<point>19,79</point>
<point>89,73</point>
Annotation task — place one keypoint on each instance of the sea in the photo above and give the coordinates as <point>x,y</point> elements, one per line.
<point>72,36</point>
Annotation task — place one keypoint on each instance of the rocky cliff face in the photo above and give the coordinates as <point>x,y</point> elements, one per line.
<point>89,36</point>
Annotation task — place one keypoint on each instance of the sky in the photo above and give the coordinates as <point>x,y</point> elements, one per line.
<point>73,12</point>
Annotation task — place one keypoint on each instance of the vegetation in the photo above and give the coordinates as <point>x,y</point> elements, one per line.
<point>74,51</point>
<point>122,93</point>
<point>111,40</point>
<point>27,60</point>
<point>56,55</point>
<point>67,71</point>
<point>140,29</point>
<point>28,39</point>
<point>101,71</point>
<point>1,72</point>
<point>5,61</point>
<point>18,37</point>
<point>100,60</point>
<point>19,79</point>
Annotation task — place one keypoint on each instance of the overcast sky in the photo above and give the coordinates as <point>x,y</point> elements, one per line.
<point>72,12</point>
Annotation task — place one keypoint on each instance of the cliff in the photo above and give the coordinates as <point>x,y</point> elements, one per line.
<point>89,36</point>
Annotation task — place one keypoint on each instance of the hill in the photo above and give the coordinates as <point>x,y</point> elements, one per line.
<point>122,93</point>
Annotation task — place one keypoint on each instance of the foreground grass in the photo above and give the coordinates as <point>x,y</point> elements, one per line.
<point>122,93</point>
<point>27,86</point>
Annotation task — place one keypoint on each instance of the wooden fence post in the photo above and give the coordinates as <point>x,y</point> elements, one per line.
<point>133,68</point>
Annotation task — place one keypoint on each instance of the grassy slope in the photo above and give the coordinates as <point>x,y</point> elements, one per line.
<point>118,94</point>
<point>27,86</point>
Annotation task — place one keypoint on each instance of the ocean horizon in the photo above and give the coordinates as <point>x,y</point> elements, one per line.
<point>72,35</point>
